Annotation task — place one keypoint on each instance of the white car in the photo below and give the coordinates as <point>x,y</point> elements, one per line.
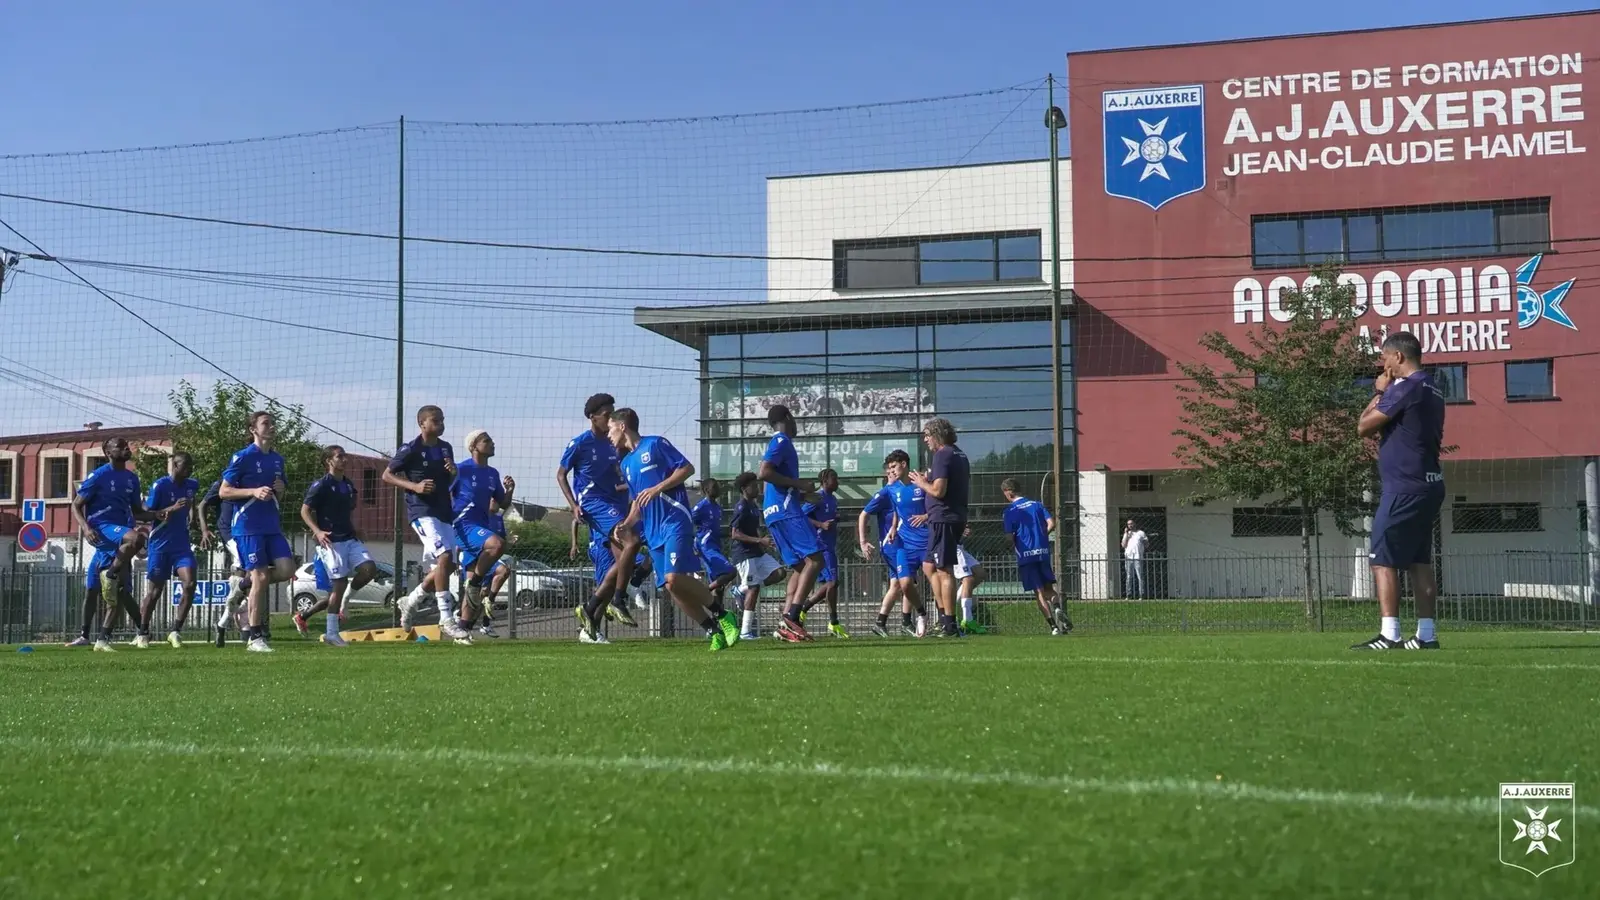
<point>378,592</point>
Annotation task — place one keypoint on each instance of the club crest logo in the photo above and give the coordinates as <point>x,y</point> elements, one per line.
<point>1538,824</point>
<point>1155,143</point>
<point>1533,306</point>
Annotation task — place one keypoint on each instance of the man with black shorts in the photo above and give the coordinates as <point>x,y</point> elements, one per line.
<point>946,489</point>
<point>1407,413</point>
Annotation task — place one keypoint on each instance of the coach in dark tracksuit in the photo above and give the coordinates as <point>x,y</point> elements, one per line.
<point>946,488</point>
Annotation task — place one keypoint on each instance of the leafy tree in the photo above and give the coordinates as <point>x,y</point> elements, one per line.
<point>211,429</point>
<point>1279,419</point>
<point>542,541</point>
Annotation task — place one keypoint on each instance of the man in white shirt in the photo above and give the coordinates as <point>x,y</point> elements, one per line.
<point>1134,542</point>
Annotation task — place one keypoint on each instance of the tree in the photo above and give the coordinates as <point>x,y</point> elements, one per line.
<point>1279,420</point>
<point>212,429</point>
<point>542,541</point>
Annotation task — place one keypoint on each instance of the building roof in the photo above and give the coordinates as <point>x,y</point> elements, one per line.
<point>688,324</point>
<point>131,433</point>
<point>1315,34</point>
<point>1043,160</point>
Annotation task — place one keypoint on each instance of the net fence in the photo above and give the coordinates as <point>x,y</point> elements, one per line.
<point>868,266</point>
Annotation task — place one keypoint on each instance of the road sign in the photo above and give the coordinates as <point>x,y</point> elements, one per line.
<point>38,556</point>
<point>33,510</point>
<point>31,538</point>
<point>206,593</point>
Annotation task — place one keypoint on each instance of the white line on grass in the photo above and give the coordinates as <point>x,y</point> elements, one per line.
<point>1065,784</point>
<point>1374,661</point>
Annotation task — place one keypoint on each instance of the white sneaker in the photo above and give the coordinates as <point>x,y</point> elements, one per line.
<point>598,638</point>
<point>141,641</point>
<point>465,639</point>
<point>922,626</point>
<point>407,612</point>
<point>488,631</point>
<point>451,629</point>
<point>258,645</point>
<point>104,646</point>
<point>641,600</point>
<point>1055,632</point>
<point>175,641</point>
<point>334,640</point>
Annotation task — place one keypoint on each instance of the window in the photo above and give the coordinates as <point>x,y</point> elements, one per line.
<point>722,346</point>
<point>1502,227</point>
<point>1494,518</point>
<point>55,476</point>
<point>1530,380</point>
<point>8,478</point>
<point>369,487</point>
<point>92,461</point>
<point>1452,380</point>
<point>953,259</point>
<point>1266,521</point>
<point>1141,484</point>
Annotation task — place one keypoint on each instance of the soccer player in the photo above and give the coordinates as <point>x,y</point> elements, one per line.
<point>254,480</point>
<point>755,568</point>
<point>969,574</point>
<point>708,537</point>
<point>597,496</point>
<point>169,551</point>
<point>1407,414</point>
<point>882,507</point>
<point>328,511</point>
<point>784,509</point>
<point>502,574</point>
<point>479,494</point>
<point>425,467</point>
<point>909,532</point>
<point>823,514</point>
<point>106,507</point>
<point>946,486</point>
<point>655,473</point>
<point>1030,526</point>
<point>213,504</point>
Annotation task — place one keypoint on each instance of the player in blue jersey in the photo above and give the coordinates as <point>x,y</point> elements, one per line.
<point>823,514</point>
<point>479,497</point>
<point>328,510</point>
<point>501,573</point>
<point>783,506</point>
<point>708,537</point>
<point>425,468</point>
<point>213,505</point>
<point>881,508</point>
<point>910,529</point>
<point>755,569</point>
<point>1030,526</point>
<point>169,552</point>
<point>597,496</point>
<point>106,507</point>
<point>969,574</point>
<point>655,473</point>
<point>254,480</point>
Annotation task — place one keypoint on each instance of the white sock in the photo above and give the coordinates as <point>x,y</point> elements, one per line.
<point>333,623</point>
<point>230,611</point>
<point>415,598</point>
<point>1424,629</point>
<point>444,601</point>
<point>968,608</point>
<point>1391,627</point>
<point>749,626</point>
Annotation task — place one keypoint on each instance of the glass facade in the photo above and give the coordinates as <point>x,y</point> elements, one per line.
<point>860,393</point>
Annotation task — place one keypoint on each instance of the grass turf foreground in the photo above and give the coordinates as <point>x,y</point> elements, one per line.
<point>1126,766</point>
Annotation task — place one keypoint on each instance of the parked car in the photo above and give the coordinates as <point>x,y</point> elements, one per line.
<point>540,586</point>
<point>377,592</point>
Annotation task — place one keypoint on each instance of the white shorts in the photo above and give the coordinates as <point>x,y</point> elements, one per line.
<point>343,558</point>
<point>965,563</point>
<point>438,539</point>
<point>753,573</point>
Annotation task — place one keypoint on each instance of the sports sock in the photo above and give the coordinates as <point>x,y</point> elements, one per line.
<point>749,624</point>
<point>716,608</point>
<point>592,608</point>
<point>443,600</point>
<point>792,613</point>
<point>709,623</point>
<point>969,608</point>
<point>331,627</point>
<point>883,619</point>
<point>1425,630</point>
<point>1391,627</point>
<point>905,619</point>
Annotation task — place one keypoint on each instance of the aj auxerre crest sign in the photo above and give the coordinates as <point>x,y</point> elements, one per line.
<point>1538,827</point>
<point>1155,143</point>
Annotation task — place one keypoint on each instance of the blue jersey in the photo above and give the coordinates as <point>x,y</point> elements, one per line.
<point>596,474</point>
<point>225,508</point>
<point>782,503</point>
<point>1029,526</point>
<point>252,468</point>
<point>475,487</point>
<point>826,509</point>
<point>909,501</point>
<point>497,524</point>
<point>173,534</point>
<point>650,463</point>
<point>708,525</point>
<point>109,495</point>
<point>418,462</point>
<point>333,503</point>
<point>1410,442</point>
<point>882,506</point>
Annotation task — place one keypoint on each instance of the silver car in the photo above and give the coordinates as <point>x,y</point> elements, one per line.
<point>378,592</point>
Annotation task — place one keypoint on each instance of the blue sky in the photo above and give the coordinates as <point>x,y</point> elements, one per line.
<point>100,75</point>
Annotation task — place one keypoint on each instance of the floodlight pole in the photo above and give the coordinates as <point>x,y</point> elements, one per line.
<point>1055,120</point>
<point>400,377</point>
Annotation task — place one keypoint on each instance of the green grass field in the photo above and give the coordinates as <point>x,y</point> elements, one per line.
<point>1105,766</point>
